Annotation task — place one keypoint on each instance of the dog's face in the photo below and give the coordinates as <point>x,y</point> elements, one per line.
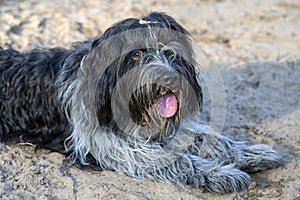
<point>143,77</point>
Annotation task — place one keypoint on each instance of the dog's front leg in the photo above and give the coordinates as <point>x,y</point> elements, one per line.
<point>249,158</point>
<point>208,174</point>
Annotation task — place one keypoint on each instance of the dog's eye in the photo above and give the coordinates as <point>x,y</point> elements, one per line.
<point>137,55</point>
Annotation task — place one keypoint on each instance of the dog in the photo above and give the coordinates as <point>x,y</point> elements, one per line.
<point>128,101</point>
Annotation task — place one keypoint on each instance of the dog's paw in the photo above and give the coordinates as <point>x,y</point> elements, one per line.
<point>258,158</point>
<point>226,179</point>
<point>215,177</point>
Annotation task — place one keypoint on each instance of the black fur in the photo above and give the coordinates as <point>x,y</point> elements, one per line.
<point>28,106</point>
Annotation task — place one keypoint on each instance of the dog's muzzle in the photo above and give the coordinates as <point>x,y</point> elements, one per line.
<point>167,102</point>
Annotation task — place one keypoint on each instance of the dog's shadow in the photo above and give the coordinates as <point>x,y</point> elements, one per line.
<point>262,102</point>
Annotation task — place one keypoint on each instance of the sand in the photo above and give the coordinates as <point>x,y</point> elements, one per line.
<point>253,45</point>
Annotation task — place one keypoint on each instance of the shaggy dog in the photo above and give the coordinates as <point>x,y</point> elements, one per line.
<point>128,101</point>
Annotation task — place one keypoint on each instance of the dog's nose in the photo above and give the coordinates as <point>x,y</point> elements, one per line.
<point>168,77</point>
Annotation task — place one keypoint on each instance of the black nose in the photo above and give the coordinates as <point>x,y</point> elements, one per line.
<point>168,77</point>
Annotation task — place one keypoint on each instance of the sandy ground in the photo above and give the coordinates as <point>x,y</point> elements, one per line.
<point>255,45</point>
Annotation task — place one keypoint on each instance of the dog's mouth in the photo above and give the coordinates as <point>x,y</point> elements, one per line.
<point>151,105</point>
<point>167,105</point>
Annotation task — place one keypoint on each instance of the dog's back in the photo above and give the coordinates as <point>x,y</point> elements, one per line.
<point>28,107</point>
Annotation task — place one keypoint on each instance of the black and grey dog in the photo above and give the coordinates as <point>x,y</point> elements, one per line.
<point>128,101</point>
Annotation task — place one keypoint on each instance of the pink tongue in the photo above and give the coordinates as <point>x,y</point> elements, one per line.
<point>167,105</point>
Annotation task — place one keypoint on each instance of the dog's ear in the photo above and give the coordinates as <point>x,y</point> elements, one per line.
<point>117,28</point>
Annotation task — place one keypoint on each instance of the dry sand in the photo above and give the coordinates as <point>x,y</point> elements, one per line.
<point>255,45</point>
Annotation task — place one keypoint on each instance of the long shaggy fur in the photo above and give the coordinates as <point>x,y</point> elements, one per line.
<point>97,103</point>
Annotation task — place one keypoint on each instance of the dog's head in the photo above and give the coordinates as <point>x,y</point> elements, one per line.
<point>141,77</point>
